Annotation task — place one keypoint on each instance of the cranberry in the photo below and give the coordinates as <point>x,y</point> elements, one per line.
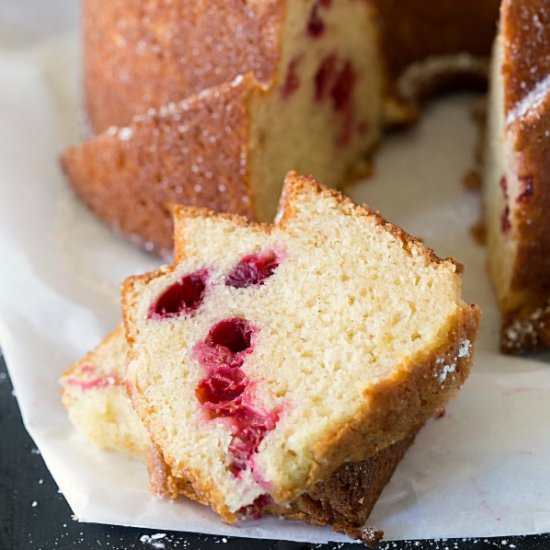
<point>90,379</point>
<point>184,296</point>
<point>221,386</point>
<point>233,334</point>
<point>226,344</point>
<point>251,428</point>
<point>315,25</point>
<point>256,509</point>
<point>292,80</point>
<point>252,270</point>
<point>221,391</point>
<point>527,189</point>
<point>505,225</point>
<point>342,90</point>
<point>504,186</point>
<point>335,80</point>
<point>325,76</point>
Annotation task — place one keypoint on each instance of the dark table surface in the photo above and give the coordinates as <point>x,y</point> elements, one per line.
<point>34,515</point>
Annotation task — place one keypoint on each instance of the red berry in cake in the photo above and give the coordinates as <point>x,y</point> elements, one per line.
<point>342,89</point>
<point>325,76</point>
<point>253,270</point>
<point>251,427</point>
<point>315,25</point>
<point>184,296</point>
<point>233,334</point>
<point>256,509</point>
<point>505,225</point>
<point>220,388</point>
<point>226,344</point>
<point>335,79</point>
<point>89,378</point>
<point>292,80</point>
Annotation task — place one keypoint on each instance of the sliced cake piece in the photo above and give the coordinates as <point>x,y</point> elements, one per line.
<point>517,175</point>
<point>94,394</point>
<point>266,356</point>
<point>96,400</point>
<point>100,409</point>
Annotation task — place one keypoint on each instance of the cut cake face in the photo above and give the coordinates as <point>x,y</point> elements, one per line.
<point>94,394</point>
<point>95,397</point>
<point>266,356</point>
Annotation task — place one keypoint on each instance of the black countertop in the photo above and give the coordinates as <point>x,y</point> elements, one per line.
<point>35,516</point>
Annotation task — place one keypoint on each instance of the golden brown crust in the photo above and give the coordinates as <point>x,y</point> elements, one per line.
<point>527,328</point>
<point>526,39</point>
<point>191,152</point>
<point>393,408</point>
<point>161,481</point>
<point>346,497</point>
<point>344,500</point>
<point>525,26</point>
<point>139,55</point>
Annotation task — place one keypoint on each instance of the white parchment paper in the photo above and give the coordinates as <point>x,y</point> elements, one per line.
<point>483,469</point>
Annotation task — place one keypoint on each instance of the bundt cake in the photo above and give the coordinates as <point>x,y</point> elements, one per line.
<point>319,74</point>
<point>267,356</point>
<point>94,394</point>
<point>517,178</point>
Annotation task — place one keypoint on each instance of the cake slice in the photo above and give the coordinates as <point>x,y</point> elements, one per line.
<point>267,356</point>
<point>94,394</point>
<point>95,397</point>
<point>517,175</point>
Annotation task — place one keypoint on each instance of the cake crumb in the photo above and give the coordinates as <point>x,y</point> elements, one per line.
<point>472,180</point>
<point>478,232</point>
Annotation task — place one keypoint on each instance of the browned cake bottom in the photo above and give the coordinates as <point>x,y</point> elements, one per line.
<point>344,500</point>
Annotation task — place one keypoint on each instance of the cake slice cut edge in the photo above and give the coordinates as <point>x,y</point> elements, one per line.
<point>94,394</point>
<point>299,444</point>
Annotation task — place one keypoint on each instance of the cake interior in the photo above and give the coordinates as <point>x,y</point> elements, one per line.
<point>321,114</point>
<point>501,187</point>
<point>94,394</point>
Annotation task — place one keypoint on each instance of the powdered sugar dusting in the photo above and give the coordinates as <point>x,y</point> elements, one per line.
<point>154,540</point>
<point>531,101</point>
<point>464,350</point>
<point>447,369</point>
<point>124,134</point>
